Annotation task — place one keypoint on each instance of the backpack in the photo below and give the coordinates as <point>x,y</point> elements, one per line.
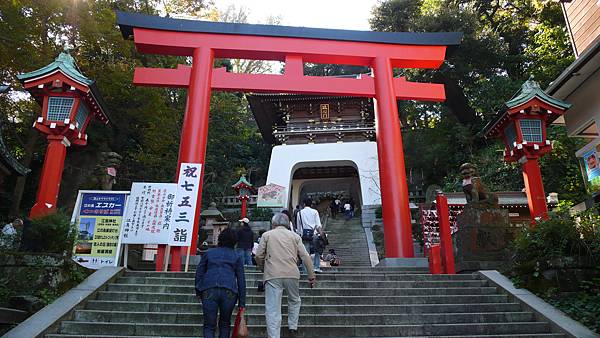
<point>335,261</point>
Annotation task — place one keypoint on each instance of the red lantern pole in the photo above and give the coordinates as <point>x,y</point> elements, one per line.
<point>392,172</point>
<point>244,207</point>
<point>49,186</point>
<point>536,197</point>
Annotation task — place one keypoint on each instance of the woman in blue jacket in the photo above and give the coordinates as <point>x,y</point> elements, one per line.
<point>220,283</point>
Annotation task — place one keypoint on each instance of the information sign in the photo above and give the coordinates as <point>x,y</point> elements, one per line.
<point>186,199</point>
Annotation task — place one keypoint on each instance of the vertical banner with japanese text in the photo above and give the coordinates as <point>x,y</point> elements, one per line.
<point>186,199</point>
<point>98,216</point>
<point>149,213</point>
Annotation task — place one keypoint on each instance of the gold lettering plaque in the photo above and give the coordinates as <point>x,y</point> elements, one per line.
<point>325,112</point>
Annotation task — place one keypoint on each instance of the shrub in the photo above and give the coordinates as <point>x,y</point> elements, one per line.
<point>51,234</point>
<point>261,214</point>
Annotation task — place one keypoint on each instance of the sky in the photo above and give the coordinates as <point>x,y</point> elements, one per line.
<point>340,14</point>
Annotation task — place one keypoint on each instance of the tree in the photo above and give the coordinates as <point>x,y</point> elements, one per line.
<point>504,42</point>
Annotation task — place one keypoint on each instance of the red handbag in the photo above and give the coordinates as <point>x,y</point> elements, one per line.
<point>240,330</point>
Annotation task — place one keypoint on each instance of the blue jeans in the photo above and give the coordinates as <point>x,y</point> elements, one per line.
<point>216,300</point>
<point>309,245</point>
<point>246,255</point>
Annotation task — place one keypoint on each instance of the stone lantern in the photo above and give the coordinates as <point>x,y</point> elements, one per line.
<point>69,101</point>
<point>244,190</point>
<point>522,126</point>
<point>213,220</point>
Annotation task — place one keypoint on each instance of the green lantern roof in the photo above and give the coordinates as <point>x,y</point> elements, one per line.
<point>531,89</point>
<point>242,181</point>
<point>65,63</point>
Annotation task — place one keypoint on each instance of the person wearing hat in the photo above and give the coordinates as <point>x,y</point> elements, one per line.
<point>245,241</point>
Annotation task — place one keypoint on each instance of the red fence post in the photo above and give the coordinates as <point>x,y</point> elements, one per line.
<point>435,262</point>
<point>445,234</point>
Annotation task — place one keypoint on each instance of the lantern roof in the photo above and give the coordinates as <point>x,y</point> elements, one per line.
<point>242,182</point>
<point>65,64</point>
<point>530,90</point>
<point>212,212</point>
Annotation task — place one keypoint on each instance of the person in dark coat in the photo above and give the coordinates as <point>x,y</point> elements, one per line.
<point>220,283</point>
<point>245,241</point>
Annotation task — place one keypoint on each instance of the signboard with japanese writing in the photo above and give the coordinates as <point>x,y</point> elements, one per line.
<point>98,216</point>
<point>186,199</point>
<point>149,212</point>
<point>271,195</point>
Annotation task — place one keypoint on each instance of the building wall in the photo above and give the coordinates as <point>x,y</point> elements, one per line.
<point>583,19</point>
<point>285,159</point>
<point>585,105</point>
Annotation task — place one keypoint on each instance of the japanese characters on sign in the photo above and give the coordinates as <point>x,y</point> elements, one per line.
<point>186,199</point>
<point>149,213</point>
<point>98,216</point>
<point>271,195</point>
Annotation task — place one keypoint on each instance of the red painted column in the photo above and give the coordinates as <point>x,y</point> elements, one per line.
<point>194,132</point>
<point>441,202</point>
<point>435,263</point>
<point>52,170</point>
<point>392,173</point>
<point>536,197</point>
<point>244,207</point>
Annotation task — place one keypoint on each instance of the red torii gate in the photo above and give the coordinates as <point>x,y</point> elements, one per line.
<point>205,41</point>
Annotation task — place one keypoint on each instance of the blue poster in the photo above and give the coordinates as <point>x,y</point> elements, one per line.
<point>592,164</point>
<point>98,216</point>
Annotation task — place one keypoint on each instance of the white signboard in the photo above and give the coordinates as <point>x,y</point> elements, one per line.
<point>184,209</point>
<point>271,195</point>
<point>98,216</point>
<point>149,213</point>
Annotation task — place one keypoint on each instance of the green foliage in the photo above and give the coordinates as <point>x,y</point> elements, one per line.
<point>558,259</point>
<point>504,42</point>
<point>261,214</point>
<point>562,235</point>
<point>51,234</point>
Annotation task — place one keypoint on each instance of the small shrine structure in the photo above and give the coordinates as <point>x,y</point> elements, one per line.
<point>521,124</point>
<point>214,221</point>
<point>69,101</point>
<point>244,190</point>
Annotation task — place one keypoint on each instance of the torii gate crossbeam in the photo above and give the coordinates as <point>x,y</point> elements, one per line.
<point>205,41</point>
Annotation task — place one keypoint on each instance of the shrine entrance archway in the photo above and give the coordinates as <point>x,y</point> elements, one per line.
<point>382,52</point>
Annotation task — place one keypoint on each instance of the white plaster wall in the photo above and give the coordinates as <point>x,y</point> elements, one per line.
<point>285,159</point>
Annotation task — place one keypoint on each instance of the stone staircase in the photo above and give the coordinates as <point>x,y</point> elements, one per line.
<point>349,241</point>
<point>349,301</point>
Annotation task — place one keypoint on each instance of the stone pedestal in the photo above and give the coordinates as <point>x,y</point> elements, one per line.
<point>482,240</point>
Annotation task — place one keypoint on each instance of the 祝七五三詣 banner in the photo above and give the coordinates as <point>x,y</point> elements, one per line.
<point>98,216</point>
<point>149,213</point>
<point>186,200</point>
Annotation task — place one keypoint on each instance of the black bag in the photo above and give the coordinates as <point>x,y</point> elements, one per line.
<point>307,234</point>
<point>260,286</point>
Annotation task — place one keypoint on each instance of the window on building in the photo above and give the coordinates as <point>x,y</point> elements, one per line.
<point>59,108</point>
<point>511,135</point>
<point>82,114</point>
<point>531,130</point>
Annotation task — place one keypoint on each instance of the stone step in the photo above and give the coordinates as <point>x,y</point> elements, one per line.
<point>321,283</point>
<point>319,330</point>
<point>319,291</point>
<point>310,309</point>
<point>306,319</point>
<point>524,335</point>
<point>322,277</point>
<point>313,299</point>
